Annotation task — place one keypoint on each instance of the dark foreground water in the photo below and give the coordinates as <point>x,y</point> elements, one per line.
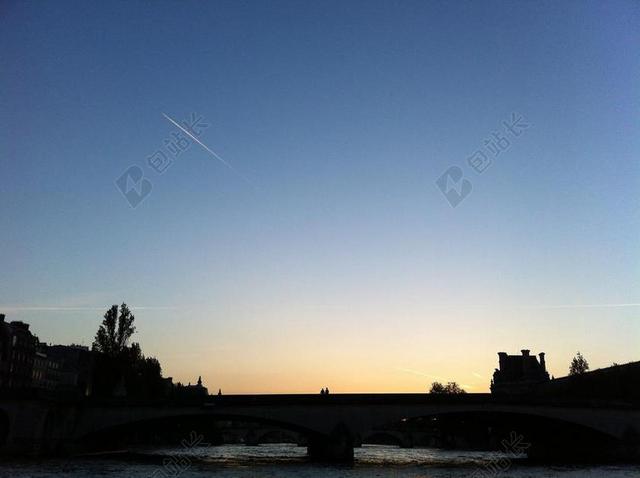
<point>290,461</point>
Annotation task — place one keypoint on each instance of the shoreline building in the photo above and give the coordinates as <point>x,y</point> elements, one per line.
<point>17,354</point>
<point>519,374</point>
<point>191,391</point>
<point>63,368</point>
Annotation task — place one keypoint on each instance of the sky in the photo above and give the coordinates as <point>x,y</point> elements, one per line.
<point>305,239</point>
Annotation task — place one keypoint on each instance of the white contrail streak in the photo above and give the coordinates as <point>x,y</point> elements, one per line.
<point>581,306</point>
<point>416,372</point>
<point>535,307</point>
<point>209,150</point>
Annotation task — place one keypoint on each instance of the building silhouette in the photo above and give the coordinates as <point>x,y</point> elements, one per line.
<point>63,368</point>
<point>17,354</point>
<point>26,363</point>
<point>519,374</point>
<point>190,391</point>
<point>45,370</point>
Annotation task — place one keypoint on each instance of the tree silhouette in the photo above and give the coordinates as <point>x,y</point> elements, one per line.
<point>451,388</point>
<point>113,335</point>
<point>579,365</point>
<point>117,362</point>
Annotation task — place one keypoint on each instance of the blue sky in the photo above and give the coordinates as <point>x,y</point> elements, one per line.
<point>342,116</point>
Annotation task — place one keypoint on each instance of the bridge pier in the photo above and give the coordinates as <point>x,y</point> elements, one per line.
<point>336,447</point>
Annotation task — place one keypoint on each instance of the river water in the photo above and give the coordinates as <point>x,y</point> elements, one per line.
<point>288,461</point>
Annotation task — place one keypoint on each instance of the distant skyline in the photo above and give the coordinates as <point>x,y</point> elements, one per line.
<point>325,254</point>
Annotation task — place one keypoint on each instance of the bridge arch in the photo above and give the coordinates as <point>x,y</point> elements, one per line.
<point>178,428</point>
<point>535,433</point>
<point>608,422</point>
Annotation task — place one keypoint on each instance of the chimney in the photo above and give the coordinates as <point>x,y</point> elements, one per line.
<point>525,363</point>
<point>1,318</point>
<point>542,362</point>
<point>502,360</point>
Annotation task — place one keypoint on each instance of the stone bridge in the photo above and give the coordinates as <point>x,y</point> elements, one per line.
<point>333,424</point>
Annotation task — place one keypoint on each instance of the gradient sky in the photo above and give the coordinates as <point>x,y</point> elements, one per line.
<point>328,257</point>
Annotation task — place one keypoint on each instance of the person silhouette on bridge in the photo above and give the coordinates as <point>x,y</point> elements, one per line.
<point>322,392</point>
